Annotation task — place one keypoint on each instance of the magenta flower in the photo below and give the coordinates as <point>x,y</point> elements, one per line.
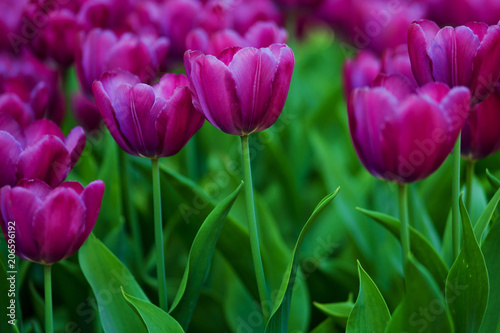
<point>86,112</point>
<point>458,12</point>
<point>50,224</point>
<point>242,90</point>
<point>480,134</point>
<point>403,135</point>
<point>147,121</point>
<point>103,50</point>
<point>37,151</point>
<point>462,56</point>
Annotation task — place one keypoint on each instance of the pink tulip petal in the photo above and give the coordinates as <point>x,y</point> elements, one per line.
<point>10,150</point>
<point>168,83</point>
<point>75,143</point>
<point>420,35</point>
<point>36,186</point>
<point>39,128</point>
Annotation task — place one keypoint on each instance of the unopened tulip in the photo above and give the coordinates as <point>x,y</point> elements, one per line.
<point>50,223</point>
<point>242,90</point>
<point>147,121</point>
<point>480,135</point>
<point>38,150</point>
<point>462,56</point>
<point>402,135</point>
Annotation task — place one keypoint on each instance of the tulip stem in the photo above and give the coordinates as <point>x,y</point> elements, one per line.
<point>49,326</point>
<point>469,176</point>
<point>160,257</point>
<point>253,230</point>
<point>404,229</point>
<point>455,197</point>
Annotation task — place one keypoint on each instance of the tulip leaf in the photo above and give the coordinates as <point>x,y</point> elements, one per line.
<point>370,310</point>
<point>5,299</point>
<point>485,217</point>
<point>327,326</point>
<point>494,181</point>
<point>467,285</point>
<point>491,249</point>
<point>106,275</point>
<point>423,308</point>
<point>200,257</point>
<point>336,310</point>
<point>278,320</point>
<point>420,247</point>
<point>155,319</point>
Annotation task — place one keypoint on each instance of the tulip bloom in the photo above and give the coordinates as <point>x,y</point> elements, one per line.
<point>403,135</point>
<point>38,150</point>
<point>462,56</point>
<point>147,121</point>
<point>242,90</point>
<point>50,223</point>
<point>480,135</point>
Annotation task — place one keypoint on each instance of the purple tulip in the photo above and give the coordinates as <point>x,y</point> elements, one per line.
<point>37,151</point>
<point>102,51</point>
<point>249,12</point>
<point>105,14</point>
<point>403,135</point>
<point>462,56</point>
<point>397,61</point>
<point>50,224</point>
<point>10,23</point>
<point>147,121</point>
<point>458,12</point>
<point>242,90</point>
<point>86,112</point>
<point>480,135</point>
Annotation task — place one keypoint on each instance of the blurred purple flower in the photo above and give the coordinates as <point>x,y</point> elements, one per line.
<point>242,90</point>
<point>10,24</point>
<point>462,56</point>
<point>37,150</point>
<point>50,224</point>
<point>402,135</point>
<point>147,121</point>
<point>480,134</point>
<point>459,12</point>
<point>86,112</point>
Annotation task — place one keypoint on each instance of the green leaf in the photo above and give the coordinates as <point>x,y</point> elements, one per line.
<point>200,257</point>
<point>336,310</point>
<point>327,326</point>
<point>467,284</point>
<point>5,299</point>
<point>491,249</point>
<point>278,320</point>
<point>423,308</point>
<point>420,247</point>
<point>106,275</point>
<point>485,217</point>
<point>494,181</point>
<point>370,310</point>
<point>155,319</point>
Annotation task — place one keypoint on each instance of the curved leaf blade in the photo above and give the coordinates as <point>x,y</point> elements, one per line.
<point>485,217</point>
<point>278,320</point>
<point>155,319</point>
<point>336,310</point>
<point>370,310</point>
<point>106,275</point>
<point>200,257</point>
<point>467,285</point>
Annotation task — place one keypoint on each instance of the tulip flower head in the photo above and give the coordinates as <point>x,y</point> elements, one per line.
<point>403,135</point>
<point>50,223</point>
<point>242,90</point>
<point>480,135</point>
<point>149,121</point>
<point>463,56</point>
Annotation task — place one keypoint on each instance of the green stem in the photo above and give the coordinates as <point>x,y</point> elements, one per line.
<point>455,197</point>
<point>253,230</point>
<point>404,230</point>
<point>192,160</point>
<point>469,175</point>
<point>131,212</point>
<point>160,258</point>
<point>49,326</point>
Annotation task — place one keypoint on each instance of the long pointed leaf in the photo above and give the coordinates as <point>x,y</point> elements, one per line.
<point>485,217</point>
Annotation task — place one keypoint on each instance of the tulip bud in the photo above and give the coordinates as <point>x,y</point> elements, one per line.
<point>50,223</point>
<point>242,90</point>
<point>402,135</point>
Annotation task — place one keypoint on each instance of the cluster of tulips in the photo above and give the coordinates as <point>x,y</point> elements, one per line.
<point>413,97</point>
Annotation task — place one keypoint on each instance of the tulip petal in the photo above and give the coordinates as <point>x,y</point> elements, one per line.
<point>253,71</point>
<point>58,223</point>
<point>36,186</point>
<point>47,160</point>
<point>134,109</point>
<point>434,91</point>
<point>456,107</point>
<point>177,122</point>
<point>13,105</point>
<point>478,28</point>
<point>264,34</point>
<point>92,198</point>
<point>19,205</point>
<point>10,150</point>
<point>10,125</point>
<point>74,185</point>
<point>39,99</point>
<point>75,143</point>
<point>397,84</point>
<point>168,83</point>
<point>39,128</point>
<point>216,93</point>
<point>486,71</point>
<point>420,35</point>
<point>227,55</point>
